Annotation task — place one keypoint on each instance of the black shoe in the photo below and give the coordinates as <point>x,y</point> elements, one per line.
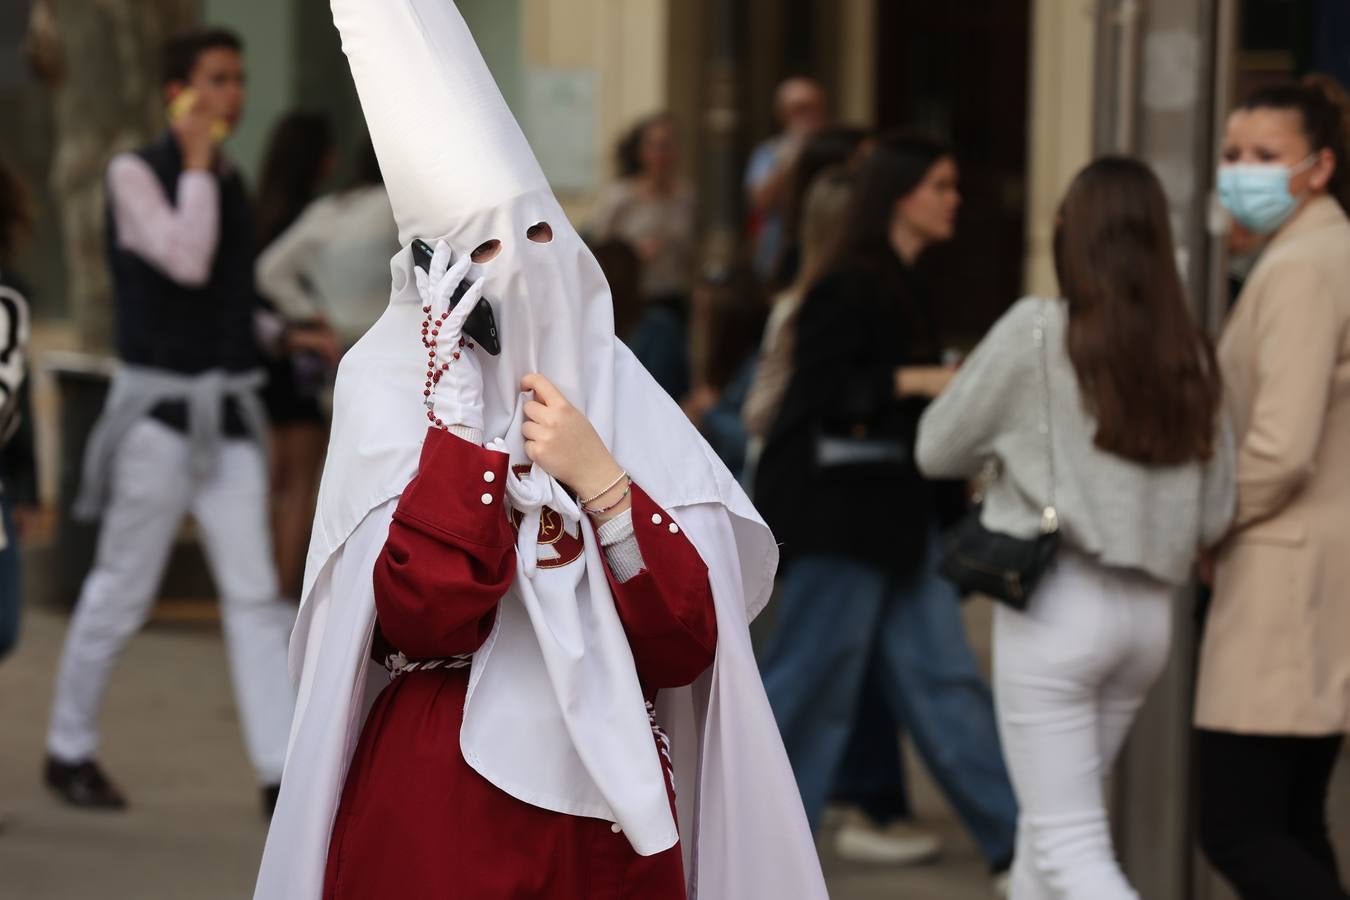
<point>83,784</point>
<point>269,800</point>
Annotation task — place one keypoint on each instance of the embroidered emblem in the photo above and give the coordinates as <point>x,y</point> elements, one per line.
<point>557,546</point>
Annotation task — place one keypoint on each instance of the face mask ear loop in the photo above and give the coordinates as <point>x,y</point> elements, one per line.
<point>1307,163</point>
<point>1298,169</point>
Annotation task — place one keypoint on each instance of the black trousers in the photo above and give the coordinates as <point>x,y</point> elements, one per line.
<point>1263,819</point>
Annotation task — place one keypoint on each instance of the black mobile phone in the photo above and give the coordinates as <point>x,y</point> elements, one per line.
<point>481,325</point>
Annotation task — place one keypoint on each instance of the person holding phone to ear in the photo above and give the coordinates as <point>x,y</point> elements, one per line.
<point>183,427</point>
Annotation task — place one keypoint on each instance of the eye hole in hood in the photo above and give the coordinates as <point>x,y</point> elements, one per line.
<point>486,251</point>
<point>540,232</point>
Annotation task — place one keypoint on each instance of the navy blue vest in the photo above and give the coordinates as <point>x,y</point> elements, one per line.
<point>165,325</point>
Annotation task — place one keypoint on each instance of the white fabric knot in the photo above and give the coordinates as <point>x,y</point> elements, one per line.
<point>529,496</point>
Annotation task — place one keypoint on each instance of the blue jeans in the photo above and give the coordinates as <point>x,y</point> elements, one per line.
<point>11,597</point>
<point>872,773</point>
<point>832,612</point>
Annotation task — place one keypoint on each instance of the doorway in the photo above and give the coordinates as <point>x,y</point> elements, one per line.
<point>959,72</point>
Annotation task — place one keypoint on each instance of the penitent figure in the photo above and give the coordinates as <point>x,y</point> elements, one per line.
<point>523,657</point>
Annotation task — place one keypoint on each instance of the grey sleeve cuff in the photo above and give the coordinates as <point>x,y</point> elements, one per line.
<point>472,435</point>
<point>621,546</point>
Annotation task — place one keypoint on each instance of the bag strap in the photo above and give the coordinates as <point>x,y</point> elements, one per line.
<point>1049,516</point>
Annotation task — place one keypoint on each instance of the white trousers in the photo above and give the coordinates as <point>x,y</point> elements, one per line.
<point>1070,674</point>
<point>151,492</point>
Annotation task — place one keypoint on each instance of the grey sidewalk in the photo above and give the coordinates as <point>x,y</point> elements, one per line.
<point>194,831</point>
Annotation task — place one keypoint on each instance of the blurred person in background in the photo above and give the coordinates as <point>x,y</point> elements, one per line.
<point>326,273</point>
<point>835,145</point>
<point>18,489</point>
<point>870,796</point>
<point>300,155</point>
<point>331,265</point>
<point>655,334</point>
<point>1273,695</point>
<point>651,206</point>
<point>182,429</point>
<point>802,109</point>
<point>820,220</point>
<point>727,322</point>
<point>859,525</point>
<point>1141,459</point>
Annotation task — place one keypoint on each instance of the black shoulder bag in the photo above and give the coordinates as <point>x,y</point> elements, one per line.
<point>1004,567</point>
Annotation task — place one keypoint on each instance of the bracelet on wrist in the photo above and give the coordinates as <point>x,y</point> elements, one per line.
<point>587,508</point>
<point>609,487</point>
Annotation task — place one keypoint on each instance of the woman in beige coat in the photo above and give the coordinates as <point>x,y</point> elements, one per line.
<point>1273,698</point>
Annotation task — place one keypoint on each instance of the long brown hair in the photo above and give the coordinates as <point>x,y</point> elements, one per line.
<point>894,168</point>
<point>830,148</point>
<point>628,152</point>
<point>291,170</point>
<point>821,232</point>
<point>1146,369</point>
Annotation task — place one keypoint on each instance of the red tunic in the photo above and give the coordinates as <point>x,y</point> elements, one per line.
<point>415,820</point>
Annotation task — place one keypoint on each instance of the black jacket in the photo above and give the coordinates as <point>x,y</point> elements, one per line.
<point>837,474</point>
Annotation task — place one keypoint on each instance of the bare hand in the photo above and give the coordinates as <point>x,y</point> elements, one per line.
<point>193,131</point>
<point>561,440</point>
<point>699,402</point>
<point>28,521</point>
<point>318,339</point>
<point>923,381</point>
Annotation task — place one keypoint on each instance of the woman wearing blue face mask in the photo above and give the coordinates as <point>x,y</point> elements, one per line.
<point>1273,698</point>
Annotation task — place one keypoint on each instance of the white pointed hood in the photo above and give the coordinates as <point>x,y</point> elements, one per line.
<point>448,145</point>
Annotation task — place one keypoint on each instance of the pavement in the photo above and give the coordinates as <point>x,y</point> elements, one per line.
<point>194,830</point>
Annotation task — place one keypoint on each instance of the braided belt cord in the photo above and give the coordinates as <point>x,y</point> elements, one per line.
<point>662,739</point>
<point>398,664</point>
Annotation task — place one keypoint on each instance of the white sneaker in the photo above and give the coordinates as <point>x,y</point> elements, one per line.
<point>898,844</point>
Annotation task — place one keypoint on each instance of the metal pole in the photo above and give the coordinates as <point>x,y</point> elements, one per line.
<point>722,125</point>
<point>1163,108</point>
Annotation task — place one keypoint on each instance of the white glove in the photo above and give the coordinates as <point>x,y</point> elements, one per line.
<point>456,373</point>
